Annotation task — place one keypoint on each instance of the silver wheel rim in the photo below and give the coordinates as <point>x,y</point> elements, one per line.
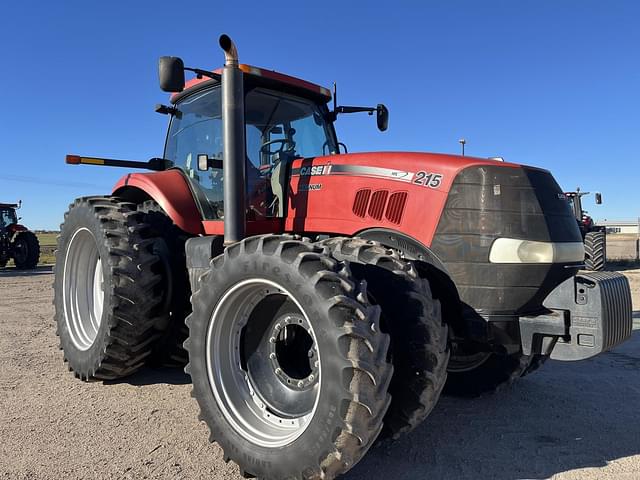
<point>83,289</point>
<point>247,407</point>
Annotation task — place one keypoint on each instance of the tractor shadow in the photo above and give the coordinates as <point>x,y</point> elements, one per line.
<point>154,376</point>
<point>567,416</point>
<point>14,272</point>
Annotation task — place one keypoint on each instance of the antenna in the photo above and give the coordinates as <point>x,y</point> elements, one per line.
<point>462,142</point>
<point>335,96</point>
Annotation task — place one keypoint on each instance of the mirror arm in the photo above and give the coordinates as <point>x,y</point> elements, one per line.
<point>344,109</point>
<point>203,73</point>
<point>165,109</point>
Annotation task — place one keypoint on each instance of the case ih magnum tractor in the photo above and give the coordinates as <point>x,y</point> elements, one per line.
<point>594,236</point>
<point>333,295</point>
<point>16,241</point>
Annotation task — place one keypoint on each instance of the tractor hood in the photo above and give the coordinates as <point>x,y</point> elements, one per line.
<point>436,171</point>
<point>459,207</point>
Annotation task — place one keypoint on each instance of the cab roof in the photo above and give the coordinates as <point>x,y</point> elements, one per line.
<point>8,205</point>
<point>261,76</point>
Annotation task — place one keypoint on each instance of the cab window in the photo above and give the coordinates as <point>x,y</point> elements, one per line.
<point>279,128</point>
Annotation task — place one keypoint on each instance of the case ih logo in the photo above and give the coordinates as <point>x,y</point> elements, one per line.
<point>315,170</point>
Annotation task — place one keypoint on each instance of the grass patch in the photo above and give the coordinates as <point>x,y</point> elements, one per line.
<point>48,242</point>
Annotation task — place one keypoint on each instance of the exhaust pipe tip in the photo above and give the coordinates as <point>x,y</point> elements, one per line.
<point>230,50</point>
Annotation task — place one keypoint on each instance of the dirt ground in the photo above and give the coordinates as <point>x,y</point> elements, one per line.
<point>567,421</point>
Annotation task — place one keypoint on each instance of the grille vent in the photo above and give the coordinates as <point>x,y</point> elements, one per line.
<point>380,204</point>
<point>395,207</point>
<point>377,204</point>
<point>361,202</point>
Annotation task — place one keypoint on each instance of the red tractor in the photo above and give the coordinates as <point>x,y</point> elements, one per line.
<point>594,236</point>
<point>16,241</point>
<point>333,296</point>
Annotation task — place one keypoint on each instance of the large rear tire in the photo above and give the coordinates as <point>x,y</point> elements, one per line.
<point>108,289</point>
<point>595,249</point>
<point>412,318</point>
<point>26,251</point>
<point>168,350</point>
<point>287,360</point>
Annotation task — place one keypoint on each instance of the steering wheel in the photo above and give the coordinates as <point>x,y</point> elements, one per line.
<point>264,148</point>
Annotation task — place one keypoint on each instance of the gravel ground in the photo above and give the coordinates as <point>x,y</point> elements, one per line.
<point>567,421</point>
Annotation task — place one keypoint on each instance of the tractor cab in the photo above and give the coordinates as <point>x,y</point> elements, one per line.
<point>8,215</point>
<point>285,119</point>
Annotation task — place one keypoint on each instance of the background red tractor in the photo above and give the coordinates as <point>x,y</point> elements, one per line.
<point>16,241</point>
<point>594,236</point>
<point>333,295</point>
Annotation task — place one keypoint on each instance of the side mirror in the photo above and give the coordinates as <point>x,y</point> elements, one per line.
<point>382,117</point>
<point>205,163</point>
<point>598,198</point>
<point>171,74</point>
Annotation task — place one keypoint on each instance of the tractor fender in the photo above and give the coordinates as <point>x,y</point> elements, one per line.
<point>429,266</point>
<point>411,248</point>
<point>170,190</point>
<point>16,227</point>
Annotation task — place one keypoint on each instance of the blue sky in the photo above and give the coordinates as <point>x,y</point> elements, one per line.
<point>549,83</point>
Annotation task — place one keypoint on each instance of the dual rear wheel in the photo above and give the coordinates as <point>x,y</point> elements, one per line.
<point>113,288</point>
<point>286,352</point>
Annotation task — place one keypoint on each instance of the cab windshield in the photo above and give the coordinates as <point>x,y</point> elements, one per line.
<point>279,128</point>
<point>7,217</point>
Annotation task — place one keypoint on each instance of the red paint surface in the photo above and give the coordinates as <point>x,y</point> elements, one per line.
<point>270,74</point>
<point>330,210</point>
<point>170,190</point>
<point>16,227</point>
<point>275,225</point>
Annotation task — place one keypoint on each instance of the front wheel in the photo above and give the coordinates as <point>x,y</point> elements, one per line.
<point>286,356</point>
<point>26,251</point>
<point>413,320</point>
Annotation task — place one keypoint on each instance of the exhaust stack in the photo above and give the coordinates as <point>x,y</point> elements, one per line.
<point>233,144</point>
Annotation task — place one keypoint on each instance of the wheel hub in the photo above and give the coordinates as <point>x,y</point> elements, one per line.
<point>292,352</point>
<point>266,380</point>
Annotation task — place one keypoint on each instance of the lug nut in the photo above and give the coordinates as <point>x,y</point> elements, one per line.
<point>300,383</point>
<point>272,356</point>
<point>278,371</point>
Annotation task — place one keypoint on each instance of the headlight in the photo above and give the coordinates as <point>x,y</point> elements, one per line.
<point>511,250</point>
